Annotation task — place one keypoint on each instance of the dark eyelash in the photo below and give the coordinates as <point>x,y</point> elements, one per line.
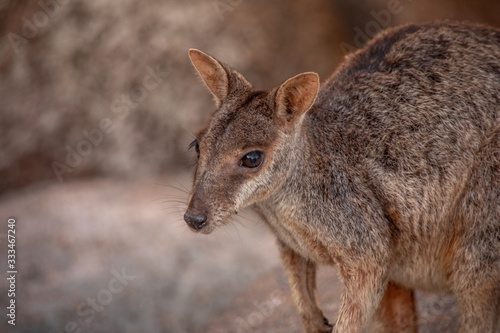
<point>193,144</point>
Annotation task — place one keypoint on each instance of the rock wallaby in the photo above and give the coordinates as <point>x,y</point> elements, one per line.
<point>390,171</point>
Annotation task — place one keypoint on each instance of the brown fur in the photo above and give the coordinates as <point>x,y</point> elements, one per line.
<point>396,312</point>
<point>391,171</point>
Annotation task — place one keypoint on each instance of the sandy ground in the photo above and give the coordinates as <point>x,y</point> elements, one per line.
<point>75,239</point>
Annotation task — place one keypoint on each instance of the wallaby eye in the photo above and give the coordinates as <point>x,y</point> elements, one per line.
<point>252,160</point>
<point>196,146</point>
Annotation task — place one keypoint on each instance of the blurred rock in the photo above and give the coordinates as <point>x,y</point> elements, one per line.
<point>72,71</point>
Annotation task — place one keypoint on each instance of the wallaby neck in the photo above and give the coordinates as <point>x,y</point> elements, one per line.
<point>309,159</point>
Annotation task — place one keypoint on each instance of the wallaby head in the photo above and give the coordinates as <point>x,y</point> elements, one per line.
<point>244,152</point>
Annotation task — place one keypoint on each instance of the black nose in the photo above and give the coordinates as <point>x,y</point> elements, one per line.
<point>196,222</point>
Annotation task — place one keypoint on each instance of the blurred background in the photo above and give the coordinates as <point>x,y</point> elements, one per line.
<point>98,103</point>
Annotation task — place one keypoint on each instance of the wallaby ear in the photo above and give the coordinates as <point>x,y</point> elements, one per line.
<point>213,74</point>
<point>295,96</point>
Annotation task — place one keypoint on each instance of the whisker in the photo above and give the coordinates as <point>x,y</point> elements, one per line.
<point>182,186</point>
<point>173,200</point>
<point>242,223</point>
<point>183,189</point>
<point>237,232</point>
<point>183,196</point>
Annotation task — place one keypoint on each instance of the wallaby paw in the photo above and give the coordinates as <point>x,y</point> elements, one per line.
<point>320,325</point>
<point>328,327</point>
